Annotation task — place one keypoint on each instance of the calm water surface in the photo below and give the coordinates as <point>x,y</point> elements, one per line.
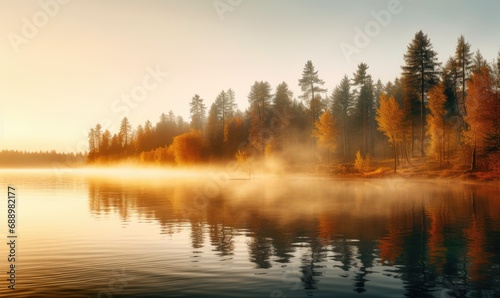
<point>158,235</point>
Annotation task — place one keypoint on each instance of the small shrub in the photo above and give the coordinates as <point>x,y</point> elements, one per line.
<point>361,164</point>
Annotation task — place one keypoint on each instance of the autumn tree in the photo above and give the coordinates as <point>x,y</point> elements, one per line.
<point>493,138</point>
<point>187,147</point>
<point>421,74</point>
<point>197,110</point>
<point>482,114</point>
<point>235,133</point>
<point>390,121</point>
<point>325,133</point>
<point>436,121</point>
<point>342,103</point>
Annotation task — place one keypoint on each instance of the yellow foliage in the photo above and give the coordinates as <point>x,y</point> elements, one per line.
<point>325,131</point>
<point>436,121</point>
<point>362,164</point>
<point>390,118</point>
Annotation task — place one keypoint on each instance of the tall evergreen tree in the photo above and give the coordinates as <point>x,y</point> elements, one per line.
<point>125,132</point>
<point>310,85</point>
<point>422,73</point>
<point>215,134</point>
<point>342,104</point>
<point>364,105</point>
<point>463,65</point>
<point>197,110</point>
<point>259,110</point>
<point>282,106</point>
<point>98,136</point>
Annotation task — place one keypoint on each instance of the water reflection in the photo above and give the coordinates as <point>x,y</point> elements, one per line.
<point>434,239</point>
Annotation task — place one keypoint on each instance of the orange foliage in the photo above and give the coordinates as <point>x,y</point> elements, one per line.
<point>187,147</point>
<point>390,121</point>
<point>436,121</point>
<point>480,104</point>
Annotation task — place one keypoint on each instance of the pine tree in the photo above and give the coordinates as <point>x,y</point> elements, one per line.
<point>342,103</point>
<point>421,73</point>
<point>125,132</point>
<point>309,84</point>
<point>197,110</point>
<point>215,129</point>
<point>92,148</point>
<point>259,110</point>
<point>282,106</point>
<point>478,62</point>
<point>98,135</point>
<point>364,104</point>
<point>462,65</point>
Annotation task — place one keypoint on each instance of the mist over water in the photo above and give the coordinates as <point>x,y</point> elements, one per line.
<point>139,233</point>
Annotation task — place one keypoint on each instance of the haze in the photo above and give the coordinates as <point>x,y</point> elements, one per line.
<point>74,69</point>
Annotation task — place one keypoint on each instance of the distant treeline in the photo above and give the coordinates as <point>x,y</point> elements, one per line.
<point>448,112</point>
<point>24,159</point>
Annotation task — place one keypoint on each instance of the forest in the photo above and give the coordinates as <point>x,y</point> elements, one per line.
<point>26,159</point>
<point>441,115</point>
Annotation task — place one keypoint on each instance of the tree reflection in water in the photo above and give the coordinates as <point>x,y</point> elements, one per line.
<point>433,238</point>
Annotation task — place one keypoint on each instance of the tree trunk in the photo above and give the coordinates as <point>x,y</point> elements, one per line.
<point>473,163</point>
<point>313,151</point>
<point>412,140</point>
<point>395,154</point>
<point>422,119</point>
<point>344,128</point>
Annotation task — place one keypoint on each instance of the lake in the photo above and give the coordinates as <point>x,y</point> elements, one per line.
<point>138,233</point>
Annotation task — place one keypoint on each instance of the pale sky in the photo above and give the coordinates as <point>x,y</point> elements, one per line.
<point>72,64</point>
